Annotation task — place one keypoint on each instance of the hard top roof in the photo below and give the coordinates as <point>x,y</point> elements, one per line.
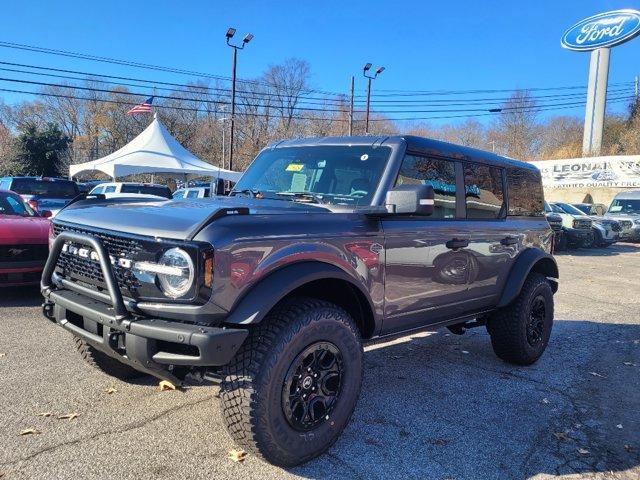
<point>414,143</point>
<point>632,195</point>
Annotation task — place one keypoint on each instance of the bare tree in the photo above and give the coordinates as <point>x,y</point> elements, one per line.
<point>515,131</point>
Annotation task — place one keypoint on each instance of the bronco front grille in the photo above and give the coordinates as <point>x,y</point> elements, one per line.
<point>626,224</point>
<point>87,270</point>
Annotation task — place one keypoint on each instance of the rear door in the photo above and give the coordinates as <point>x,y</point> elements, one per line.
<point>494,241</point>
<point>426,262</point>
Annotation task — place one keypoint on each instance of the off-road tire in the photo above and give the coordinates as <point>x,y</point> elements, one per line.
<point>104,362</point>
<point>252,389</point>
<point>508,326</point>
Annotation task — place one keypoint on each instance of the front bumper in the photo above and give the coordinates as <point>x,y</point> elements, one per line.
<point>576,235</point>
<point>631,234</point>
<point>15,275</point>
<point>147,343</point>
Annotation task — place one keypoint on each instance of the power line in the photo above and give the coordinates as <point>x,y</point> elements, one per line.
<point>261,96</point>
<point>333,119</point>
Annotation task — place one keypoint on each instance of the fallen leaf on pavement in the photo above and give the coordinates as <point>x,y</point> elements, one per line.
<point>110,390</point>
<point>619,425</point>
<point>561,435</point>
<point>464,351</point>
<point>166,385</point>
<point>629,448</point>
<point>630,364</point>
<point>69,416</point>
<point>29,431</point>
<point>3,354</point>
<point>545,400</point>
<point>44,414</point>
<point>596,374</point>
<point>583,451</point>
<point>237,455</point>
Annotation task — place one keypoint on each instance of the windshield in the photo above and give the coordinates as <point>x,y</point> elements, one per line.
<point>570,209</point>
<point>620,205</point>
<point>341,175</point>
<point>45,188</point>
<point>583,208</point>
<point>14,205</point>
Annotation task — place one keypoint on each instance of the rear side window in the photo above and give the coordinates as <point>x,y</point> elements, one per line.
<point>484,194</point>
<point>45,188</point>
<point>524,187</point>
<point>192,193</point>
<point>440,174</point>
<point>110,189</point>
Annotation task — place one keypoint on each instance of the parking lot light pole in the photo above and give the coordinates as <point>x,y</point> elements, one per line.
<point>247,38</point>
<point>369,77</point>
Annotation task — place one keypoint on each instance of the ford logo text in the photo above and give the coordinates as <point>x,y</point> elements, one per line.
<point>602,30</point>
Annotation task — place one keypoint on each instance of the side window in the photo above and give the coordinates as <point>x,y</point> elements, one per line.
<point>440,174</point>
<point>110,189</point>
<point>97,190</point>
<point>483,191</point>
<point>524,187</point>
<point>192,193</point>
<point>4,184</point>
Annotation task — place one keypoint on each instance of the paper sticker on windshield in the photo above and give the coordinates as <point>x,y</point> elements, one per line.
<point>616,208</point>
<point>364,157</point>
<point>295,167</point>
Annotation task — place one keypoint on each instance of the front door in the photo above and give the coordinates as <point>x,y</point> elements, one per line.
<point>426,259</point>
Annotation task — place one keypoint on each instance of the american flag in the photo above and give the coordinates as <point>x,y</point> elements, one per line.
<point>144,107</point>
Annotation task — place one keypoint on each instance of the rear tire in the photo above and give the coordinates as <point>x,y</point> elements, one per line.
<point>283,362</point>
<point>104,362</point>
<point>520,332</point>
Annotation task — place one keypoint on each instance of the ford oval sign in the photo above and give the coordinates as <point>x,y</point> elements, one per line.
<point>602,30</point>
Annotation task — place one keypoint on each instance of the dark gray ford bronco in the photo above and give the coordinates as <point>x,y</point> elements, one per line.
<point>324,244</point>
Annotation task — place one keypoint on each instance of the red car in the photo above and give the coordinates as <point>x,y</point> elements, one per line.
<point>23,241</point>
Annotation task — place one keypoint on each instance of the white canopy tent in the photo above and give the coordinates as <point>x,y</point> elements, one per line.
<point>153,151</point>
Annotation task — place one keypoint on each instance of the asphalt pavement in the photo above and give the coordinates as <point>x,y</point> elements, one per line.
<point>433,405</point>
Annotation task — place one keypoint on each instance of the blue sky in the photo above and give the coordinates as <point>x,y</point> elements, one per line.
<point>424,45</point>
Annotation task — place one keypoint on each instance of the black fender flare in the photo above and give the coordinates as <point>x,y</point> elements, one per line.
<point>530,260</point>
<point>264,295</point>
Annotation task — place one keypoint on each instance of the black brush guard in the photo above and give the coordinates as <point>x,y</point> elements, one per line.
<point>152,345</point>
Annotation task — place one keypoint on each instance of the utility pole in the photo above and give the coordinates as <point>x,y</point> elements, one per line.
<point>351,104</point>
<point>637,86</point>
<point>365,69</point>
<point>234,61</point>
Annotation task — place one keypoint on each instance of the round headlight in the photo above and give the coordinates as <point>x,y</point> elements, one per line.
<point>177,277</point>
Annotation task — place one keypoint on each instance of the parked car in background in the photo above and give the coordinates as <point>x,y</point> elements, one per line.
<point>192,192</point>
<point>23,241</point>
<point>86,187</point>
<point>42,193</point>
<point>625,209</point>
<point>130,189</point>
<point>606,230</point>
<point>591,209</point>
<point>602,232</point>
<point>578,230</point>
<point>555,222</point>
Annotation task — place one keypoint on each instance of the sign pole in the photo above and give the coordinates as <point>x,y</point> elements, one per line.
<point>596,102</point>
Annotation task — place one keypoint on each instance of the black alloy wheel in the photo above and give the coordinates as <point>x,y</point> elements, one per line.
<point>312,386</point>
<point>535,326</point>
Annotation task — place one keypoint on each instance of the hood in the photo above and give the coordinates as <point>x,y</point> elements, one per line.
<point>175,219</point>
<point>23,230</point>
<point>622,216</point>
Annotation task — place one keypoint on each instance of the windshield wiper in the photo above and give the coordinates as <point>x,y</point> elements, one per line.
<point>300,195</point>
<point>253,193</point>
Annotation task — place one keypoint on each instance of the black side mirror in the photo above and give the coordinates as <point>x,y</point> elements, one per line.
<point>411,200</point>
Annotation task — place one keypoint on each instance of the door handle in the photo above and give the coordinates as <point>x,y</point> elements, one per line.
<point>456,243</point>
<point>509,241</point>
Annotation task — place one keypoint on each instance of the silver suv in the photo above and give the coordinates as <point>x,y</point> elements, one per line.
<point>625,208</point>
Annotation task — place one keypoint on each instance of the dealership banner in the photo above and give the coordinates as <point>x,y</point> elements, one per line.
<point>615,171</point>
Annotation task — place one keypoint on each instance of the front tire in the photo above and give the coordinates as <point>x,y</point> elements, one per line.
<point>104,362</point>
<point>292,387</point>
<point>520,332</point>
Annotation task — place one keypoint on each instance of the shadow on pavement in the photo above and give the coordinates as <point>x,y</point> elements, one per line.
<point>444,406</point>
<point>613,250</point>
<point>28,296</point>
